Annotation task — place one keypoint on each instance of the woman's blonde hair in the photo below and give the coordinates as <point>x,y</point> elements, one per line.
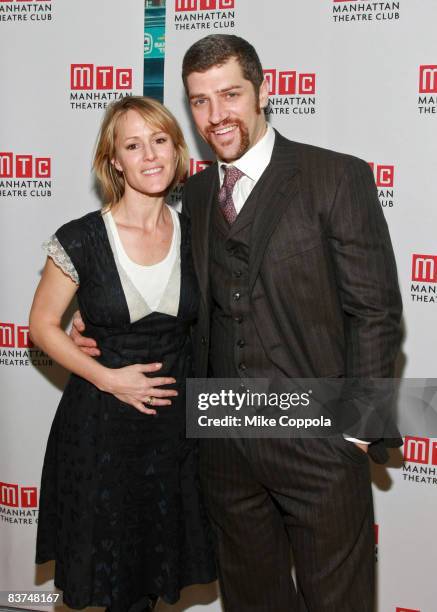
<point>153,113</point>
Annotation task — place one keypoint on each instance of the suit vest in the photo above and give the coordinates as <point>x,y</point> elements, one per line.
<point>236,349</point>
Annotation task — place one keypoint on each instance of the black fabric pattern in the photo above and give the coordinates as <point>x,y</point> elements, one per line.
<point>120,507</point>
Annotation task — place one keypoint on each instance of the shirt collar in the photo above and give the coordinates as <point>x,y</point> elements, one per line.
<point>255,160</point>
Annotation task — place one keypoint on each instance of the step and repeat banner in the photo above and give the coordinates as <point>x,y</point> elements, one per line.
<point>357,77</point>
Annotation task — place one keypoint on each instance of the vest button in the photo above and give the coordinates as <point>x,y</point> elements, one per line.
<point>237,273</point>
<point>238,319</point>
<point>203,340</point>
<point>241,343</point>
<point>236,296</point>
<point>242,366</point>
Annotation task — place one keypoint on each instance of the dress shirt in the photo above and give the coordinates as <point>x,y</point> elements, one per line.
<point>252,164</point>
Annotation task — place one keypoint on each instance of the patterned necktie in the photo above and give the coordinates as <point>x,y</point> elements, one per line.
<point>232,174</point>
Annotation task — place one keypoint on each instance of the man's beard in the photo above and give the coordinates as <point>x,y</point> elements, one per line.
<point>244,140</point>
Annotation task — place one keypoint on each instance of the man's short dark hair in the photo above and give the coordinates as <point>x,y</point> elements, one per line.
<point>215,50</point>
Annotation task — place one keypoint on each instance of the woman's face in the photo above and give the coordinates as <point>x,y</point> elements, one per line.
<point>145,154</point>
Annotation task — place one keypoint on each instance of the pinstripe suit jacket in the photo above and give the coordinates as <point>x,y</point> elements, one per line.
<point>322,274</point>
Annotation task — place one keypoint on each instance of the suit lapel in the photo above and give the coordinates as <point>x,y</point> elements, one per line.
<point>201,224</point>
<point>279,185</point>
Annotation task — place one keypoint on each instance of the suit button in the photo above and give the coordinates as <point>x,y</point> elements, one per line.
<point>238,319</point>
<point>237,273</point>
<point>236,296</point>
<point>242,366</point>
<point>203,340</point>
<point>241,343</point>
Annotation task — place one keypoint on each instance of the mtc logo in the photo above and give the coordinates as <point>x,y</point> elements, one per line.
<point>196,165</point>
<point>24,166</point>
<point>88,76</point>
<point>203,5</point>
<point>376,536</point>
<point>428,79</point>
<point>289,82</point>
<point>14,336</point>
<point>406,610</point>
<point>384,175</point>
<point>424,268</point>
<point>14,495</point>
<point>420,450</point>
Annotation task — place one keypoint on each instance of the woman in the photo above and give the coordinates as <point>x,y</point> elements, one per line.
<point>120,509</point>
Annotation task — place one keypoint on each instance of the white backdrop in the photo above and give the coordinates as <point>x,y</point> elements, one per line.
<point>366,84</point>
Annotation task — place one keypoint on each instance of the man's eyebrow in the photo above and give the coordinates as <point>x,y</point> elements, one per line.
<point>219,91</point>
<point>225,89</point>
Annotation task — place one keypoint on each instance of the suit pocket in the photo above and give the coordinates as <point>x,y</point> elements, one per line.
<point>293,250</point>
<point>292,239</point>
<point>298,231</point>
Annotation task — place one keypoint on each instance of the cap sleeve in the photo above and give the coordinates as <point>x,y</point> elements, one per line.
<point>57,253</point>
<point>71,247</point>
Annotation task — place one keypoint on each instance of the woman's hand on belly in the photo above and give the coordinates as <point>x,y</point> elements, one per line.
<point>131,386</point>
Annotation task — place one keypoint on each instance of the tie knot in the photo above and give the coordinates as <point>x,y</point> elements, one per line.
<point>232,174</point>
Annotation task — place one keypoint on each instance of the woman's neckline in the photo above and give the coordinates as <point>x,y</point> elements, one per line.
<point>118,240</point>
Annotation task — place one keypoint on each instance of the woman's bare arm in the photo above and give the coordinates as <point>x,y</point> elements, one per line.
<point>52,298</point>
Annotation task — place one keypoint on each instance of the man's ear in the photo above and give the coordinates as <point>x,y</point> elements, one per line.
<point>263,96</point>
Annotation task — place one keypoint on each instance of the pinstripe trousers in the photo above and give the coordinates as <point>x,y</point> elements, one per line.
<point>266,497</point>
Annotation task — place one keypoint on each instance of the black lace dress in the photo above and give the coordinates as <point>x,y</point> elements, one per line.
<point>120,507</point>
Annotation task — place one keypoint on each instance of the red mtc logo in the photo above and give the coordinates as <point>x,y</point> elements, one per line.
<point>88,76</point>
<point>288,82</point>
<point>424,268</point>
<point>203,5</point>
<point>14,336</point>
<point>14,495</point>
<point>406,610</point>
<point>384,175</point>
<point>420,450</point>
<point>24,166</point>
<point>428,79</point>
<point>196,165</point>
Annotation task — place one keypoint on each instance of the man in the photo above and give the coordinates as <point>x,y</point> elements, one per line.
<point>298,280</point>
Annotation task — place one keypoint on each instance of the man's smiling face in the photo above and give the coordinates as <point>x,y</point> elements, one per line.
<point>227,112</point>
